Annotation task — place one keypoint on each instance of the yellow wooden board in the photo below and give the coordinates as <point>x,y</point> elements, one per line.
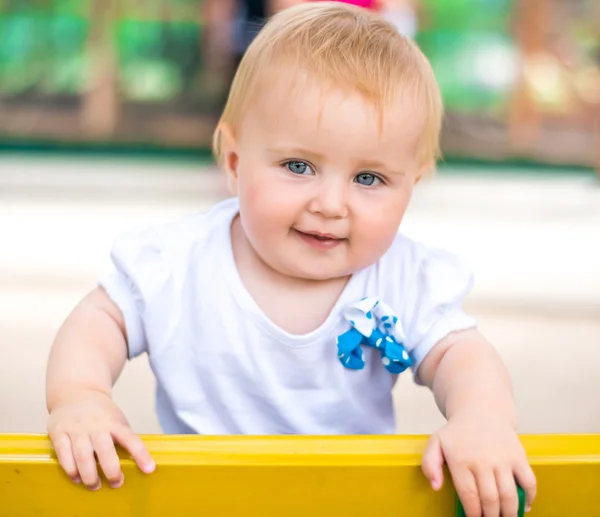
<point>283,476</point>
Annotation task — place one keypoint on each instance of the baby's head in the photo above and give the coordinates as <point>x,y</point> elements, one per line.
<point>331,120</point>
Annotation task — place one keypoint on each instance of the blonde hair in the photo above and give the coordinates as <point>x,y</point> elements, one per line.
<point>343,46</point>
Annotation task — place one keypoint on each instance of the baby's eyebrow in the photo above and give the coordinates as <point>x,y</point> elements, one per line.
<point>296,152</point>
<point>377,165</point>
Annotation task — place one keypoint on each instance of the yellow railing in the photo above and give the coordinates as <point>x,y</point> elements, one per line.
<point>283,476</point>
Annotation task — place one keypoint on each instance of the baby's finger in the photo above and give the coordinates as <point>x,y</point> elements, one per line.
<point>85,461</point>
<point>488,493</point>
<point>433,462</point>
<point>134,444</point>
<point>64,453</point>
<point>466,488</point>
<point>526,479</point>
<point>507,489</point>
<point>108,458</point>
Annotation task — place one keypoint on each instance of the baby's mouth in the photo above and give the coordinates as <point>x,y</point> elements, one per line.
<point>319,240</point>
<point>321,236</point>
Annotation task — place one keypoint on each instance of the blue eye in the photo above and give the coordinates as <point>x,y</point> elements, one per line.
<point>298,167</point>
<point>367,179</point>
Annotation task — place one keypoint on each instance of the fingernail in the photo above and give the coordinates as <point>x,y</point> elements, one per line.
<point>77,480</point>
<point>119,483</point>
<point>528,508</point>
<point>149,467</point>
<point>96,487</point>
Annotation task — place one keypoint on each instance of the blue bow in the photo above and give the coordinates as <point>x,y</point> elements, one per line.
<point>373,324</point>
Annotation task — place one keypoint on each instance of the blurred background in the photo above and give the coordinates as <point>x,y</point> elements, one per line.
<point>106,114</point>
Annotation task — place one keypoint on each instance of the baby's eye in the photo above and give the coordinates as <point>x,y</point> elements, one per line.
<point>367,179</point>
<point>298,167</point>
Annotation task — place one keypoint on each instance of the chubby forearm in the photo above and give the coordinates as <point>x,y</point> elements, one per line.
<point>89,351</point>
<point>467,374</point>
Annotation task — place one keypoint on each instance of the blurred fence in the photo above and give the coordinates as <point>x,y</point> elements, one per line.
<point>520,78</point>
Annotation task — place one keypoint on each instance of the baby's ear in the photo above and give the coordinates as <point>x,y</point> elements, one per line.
<point>229,156</point>
<point>427,168</point>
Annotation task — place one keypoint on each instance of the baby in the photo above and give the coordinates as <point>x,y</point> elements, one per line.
<point>292,307</point>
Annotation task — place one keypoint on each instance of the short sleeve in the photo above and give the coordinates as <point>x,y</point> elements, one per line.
<point>434,305</point>
<point>136,278</point>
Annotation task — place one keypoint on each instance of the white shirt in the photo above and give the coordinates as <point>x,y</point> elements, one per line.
<point>222,367</point>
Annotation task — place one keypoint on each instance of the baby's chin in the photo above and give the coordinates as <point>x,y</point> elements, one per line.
<point>318,273</point>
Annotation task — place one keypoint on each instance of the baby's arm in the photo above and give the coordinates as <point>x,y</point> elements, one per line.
<point>466,373</point>
<point>479,443</point>
<point>87,357</point>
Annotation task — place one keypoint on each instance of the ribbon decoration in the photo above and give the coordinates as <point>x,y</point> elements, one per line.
<point>374,324</point>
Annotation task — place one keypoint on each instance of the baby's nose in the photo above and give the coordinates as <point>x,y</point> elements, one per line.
<point>331,200</point>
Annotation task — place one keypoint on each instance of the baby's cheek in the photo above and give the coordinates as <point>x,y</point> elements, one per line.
<point>374,235</point>
<point>251,193</point>
<point>265,198</point>
<point>263,214</point>
<point>368,247</point>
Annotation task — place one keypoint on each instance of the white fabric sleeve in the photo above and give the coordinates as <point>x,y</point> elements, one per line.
<point>434,304</point>
<point>137,277</point>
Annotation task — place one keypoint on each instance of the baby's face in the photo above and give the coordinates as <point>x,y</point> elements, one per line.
<point>322,186</point>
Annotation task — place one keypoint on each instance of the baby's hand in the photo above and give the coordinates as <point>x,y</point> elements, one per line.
<point>90,425</point>
<point>485,457</point>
